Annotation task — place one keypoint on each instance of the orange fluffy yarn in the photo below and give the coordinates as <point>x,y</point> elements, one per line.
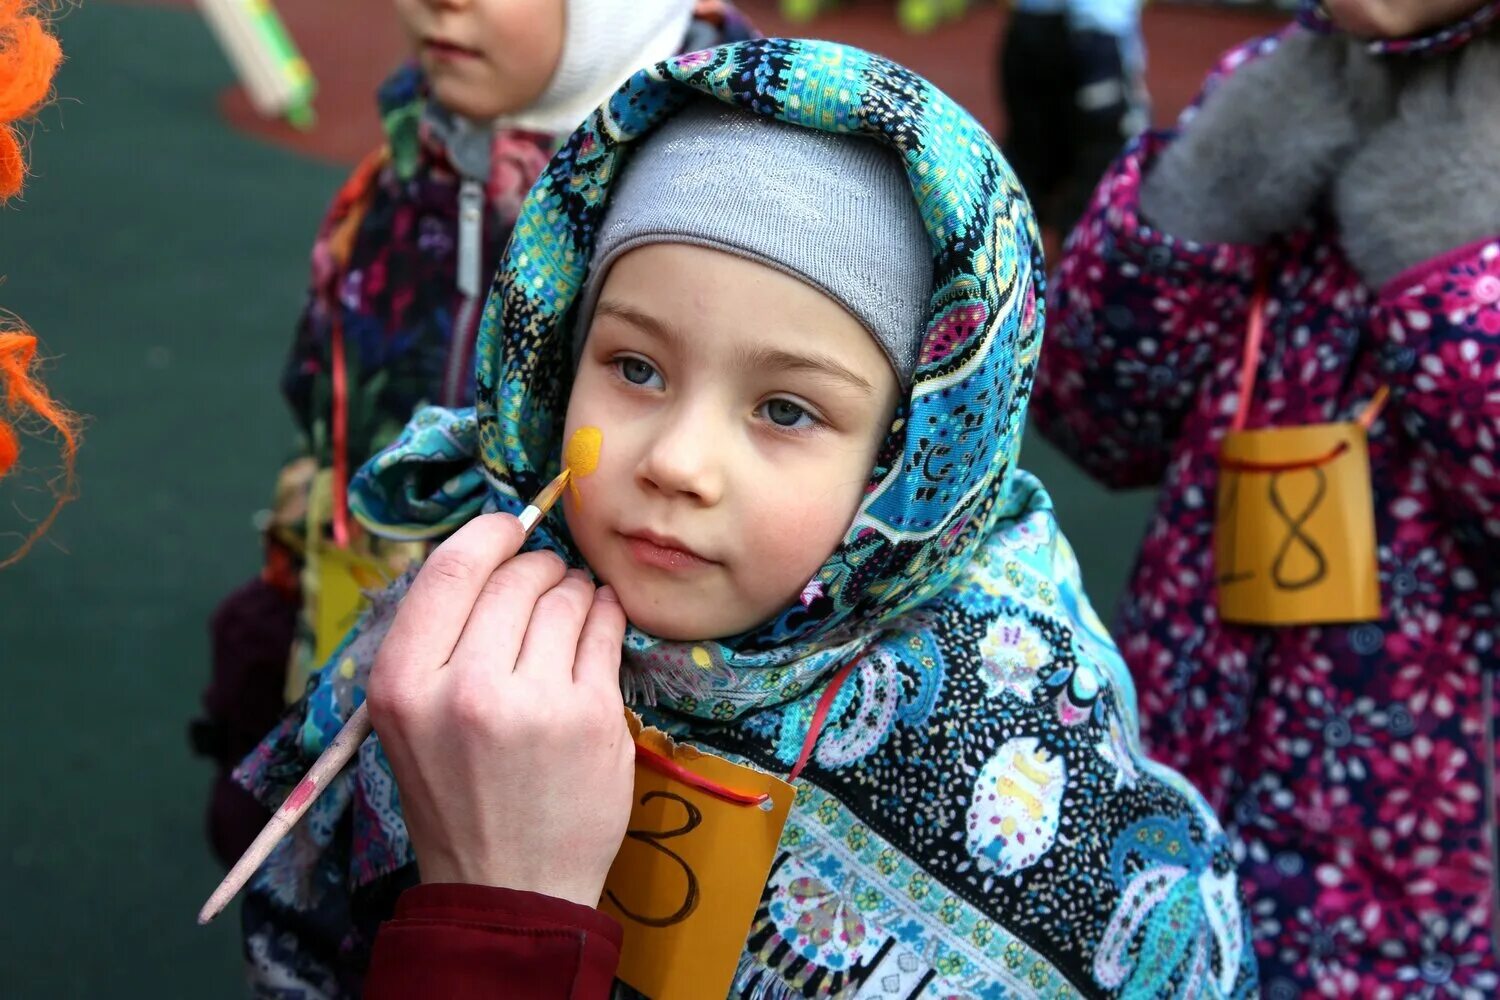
<point>29,56</point>
<point>23,395</point>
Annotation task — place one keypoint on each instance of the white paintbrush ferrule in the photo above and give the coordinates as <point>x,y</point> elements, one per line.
<point>529,517</point>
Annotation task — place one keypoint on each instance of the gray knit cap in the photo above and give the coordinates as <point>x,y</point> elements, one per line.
<point>836,211</point>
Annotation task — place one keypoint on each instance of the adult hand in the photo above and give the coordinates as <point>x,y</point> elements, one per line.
<point>1268,141</point>
<point>496,697</point>
<point>1429,180</point>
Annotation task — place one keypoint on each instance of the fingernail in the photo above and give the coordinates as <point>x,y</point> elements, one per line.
<point>607,593</point>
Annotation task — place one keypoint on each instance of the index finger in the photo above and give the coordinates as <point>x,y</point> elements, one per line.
<point>432,614</point>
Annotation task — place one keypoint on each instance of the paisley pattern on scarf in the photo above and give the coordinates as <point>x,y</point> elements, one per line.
<point>977,818</point>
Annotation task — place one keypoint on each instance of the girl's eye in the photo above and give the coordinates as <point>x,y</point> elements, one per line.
<point>637,372</point>
<point>785,413</point>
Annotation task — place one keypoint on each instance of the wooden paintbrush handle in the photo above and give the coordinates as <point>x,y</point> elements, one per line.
<point>349,739</point>
<point>327,767</point>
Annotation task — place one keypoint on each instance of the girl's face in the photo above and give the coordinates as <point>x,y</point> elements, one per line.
<point>1396,18</point>
<point>485,58</point>
<point>741,410</point>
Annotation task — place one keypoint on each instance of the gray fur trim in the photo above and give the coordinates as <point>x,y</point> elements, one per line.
<point>1429,181</point>
<point>1266,144</point>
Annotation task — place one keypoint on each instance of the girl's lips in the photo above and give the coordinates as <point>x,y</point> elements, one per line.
<point>448,50</point>
<point>653,553</point>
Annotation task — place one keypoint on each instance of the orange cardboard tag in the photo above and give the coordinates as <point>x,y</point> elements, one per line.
<point>1294,539</point>
<point>690,874</point>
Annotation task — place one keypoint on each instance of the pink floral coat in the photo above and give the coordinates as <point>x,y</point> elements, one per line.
<point>1354,763</point>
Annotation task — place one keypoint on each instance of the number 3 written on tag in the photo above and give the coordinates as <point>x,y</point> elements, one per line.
<point>693,818</point>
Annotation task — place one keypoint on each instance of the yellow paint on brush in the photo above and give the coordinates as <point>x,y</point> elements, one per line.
<point>581,456</point>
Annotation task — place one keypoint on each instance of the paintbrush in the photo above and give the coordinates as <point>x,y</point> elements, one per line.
<point>581,454</point>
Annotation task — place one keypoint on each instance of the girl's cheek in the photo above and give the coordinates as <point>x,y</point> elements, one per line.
<point>794,534</point>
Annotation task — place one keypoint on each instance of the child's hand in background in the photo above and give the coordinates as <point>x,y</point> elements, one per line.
<point>1267,142</point>
<point>1429,180</point>
<point>496,697</point>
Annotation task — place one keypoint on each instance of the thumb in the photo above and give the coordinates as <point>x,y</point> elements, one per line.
<point>598,659</point>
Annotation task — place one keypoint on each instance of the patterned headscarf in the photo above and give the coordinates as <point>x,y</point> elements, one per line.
<point>1442,39</point>
<point>977,817</point>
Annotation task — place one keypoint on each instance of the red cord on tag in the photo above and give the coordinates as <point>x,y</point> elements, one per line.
<point>340,440</point>
<point>670,768</point>
<point>1245,465</point>
<point>1253,337</point>
<point>666,766</point>
<point>1255,334</point>
<point>820,716</point>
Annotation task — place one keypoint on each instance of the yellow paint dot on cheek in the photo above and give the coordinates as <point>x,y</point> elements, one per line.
<point>581,457</point>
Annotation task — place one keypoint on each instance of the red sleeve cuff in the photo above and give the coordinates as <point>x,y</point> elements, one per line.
<point>491,904</point>
<point>460,941</point>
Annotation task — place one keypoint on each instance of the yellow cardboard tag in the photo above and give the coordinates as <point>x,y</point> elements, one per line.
<point>690,874</point>
<point>1294,539</point>
<point>343,578</point>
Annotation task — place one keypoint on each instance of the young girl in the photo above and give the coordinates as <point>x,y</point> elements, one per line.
<point>1349,171</point>
<point>800,292</point>
<point>400,269</point>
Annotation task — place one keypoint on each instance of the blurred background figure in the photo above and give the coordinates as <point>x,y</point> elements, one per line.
<point>1314,249</point>
<point>1072,82</point>
<point>161,247</point>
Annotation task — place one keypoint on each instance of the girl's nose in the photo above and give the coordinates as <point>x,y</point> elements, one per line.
<point>686,459</point>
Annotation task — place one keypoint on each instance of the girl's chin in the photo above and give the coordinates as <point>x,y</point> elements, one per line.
<point>464,97</point>
<point>675,623</point>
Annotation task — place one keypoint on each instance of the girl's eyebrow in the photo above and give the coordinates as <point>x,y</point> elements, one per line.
<point>649,325</point>
<point>768,359</point>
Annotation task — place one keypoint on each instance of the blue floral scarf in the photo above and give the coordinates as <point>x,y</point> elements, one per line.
<point>977,818</point>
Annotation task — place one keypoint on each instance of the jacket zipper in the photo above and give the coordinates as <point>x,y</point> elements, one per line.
<point>468,278</point>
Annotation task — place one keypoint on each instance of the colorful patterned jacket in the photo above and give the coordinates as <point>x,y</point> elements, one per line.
<point>1354,763</point>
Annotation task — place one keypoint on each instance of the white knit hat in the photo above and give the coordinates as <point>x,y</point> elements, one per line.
<point>604,43</point>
